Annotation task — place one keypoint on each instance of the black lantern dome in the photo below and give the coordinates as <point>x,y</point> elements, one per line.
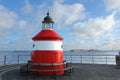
<point>48,19</point>
<point>47,22</point>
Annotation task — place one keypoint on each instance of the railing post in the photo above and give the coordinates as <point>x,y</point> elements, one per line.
<point>93,59</point>
<point>106,59</point>
<point>4,59</point>
<point>81,59</point>
<point>18,59</point>
<point>71,59</point>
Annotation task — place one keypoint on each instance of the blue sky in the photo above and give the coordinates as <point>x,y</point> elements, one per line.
<point>84,24</point>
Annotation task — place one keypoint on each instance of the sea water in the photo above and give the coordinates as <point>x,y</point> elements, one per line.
<point>96,57</point>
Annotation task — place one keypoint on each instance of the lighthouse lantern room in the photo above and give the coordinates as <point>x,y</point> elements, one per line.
<point>47,23</point>
<point>47,50</point>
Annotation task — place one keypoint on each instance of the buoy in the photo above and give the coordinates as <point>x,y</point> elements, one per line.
<point>48,50</point>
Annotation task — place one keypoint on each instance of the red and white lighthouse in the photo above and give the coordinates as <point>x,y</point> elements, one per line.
<point>48,50</point>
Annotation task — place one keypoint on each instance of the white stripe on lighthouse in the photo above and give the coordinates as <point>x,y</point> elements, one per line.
<point>48,45</point>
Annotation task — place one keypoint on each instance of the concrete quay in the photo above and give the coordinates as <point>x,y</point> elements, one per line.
<point>80,72</point>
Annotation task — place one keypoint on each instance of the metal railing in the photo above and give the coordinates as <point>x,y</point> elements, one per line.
<point>91,59</point>
<point>83,59</point>
<point>16,59</point>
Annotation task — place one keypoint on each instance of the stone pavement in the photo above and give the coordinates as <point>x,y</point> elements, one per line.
<point>80,72</point>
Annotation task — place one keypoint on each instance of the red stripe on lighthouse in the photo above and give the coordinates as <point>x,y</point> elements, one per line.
<point>55,56</point>
<point>47,35</point>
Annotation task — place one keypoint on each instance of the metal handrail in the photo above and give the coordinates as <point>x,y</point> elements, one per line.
<point>83,59</point>
<point>95,59</point>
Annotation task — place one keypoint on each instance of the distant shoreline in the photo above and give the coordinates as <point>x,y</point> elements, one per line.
<point>82,50</point>
<point>90,50</point>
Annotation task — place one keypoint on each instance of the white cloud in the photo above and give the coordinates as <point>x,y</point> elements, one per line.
<point>13,29</point>
<point>22,24</point>
<point>7,21</point>
<point>67,13</point>
<point>94,27</point>
<point>111,44</point>
<point>7,18</point>
<point>27,8</point>
<point>112,5</point>
<point>91,33</point>
<point>61,13</point>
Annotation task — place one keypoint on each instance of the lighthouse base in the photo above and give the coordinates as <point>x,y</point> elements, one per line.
<point>44,69</point>
<point>47,63</point>
<point>53,73</point>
